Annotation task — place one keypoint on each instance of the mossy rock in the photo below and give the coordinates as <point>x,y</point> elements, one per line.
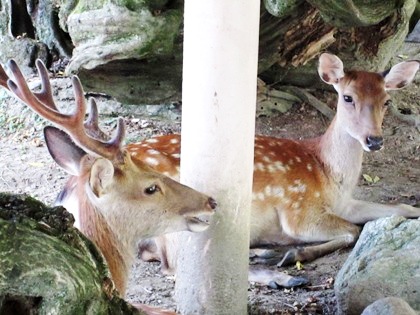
<point>47,266</point>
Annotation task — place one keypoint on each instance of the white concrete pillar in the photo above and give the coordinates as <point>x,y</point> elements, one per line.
<point>217,150</point>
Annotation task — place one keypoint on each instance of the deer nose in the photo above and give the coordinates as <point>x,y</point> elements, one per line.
<point>212,203</point>
<point>374,143</point>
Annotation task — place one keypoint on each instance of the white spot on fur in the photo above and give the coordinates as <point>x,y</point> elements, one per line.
<point>176,155</point>
<point>266,159</point>
<point>260,196</point>
<point>259,167</point>
<point>317,194</point>
<point>309,167</point>
<point>268,190</point>
<point>153,152</point>
<point>277,191</point>
<point>151,161</point>
<point>271,168</point>
<point>298,187</point>
<point>280,166</point>
<point>152,140</point>
<point>298,159</point>
<point>174,140</point>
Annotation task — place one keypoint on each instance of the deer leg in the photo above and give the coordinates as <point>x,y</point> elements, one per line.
<point>309,253</point>
<point>275,279</point>
<point>360,212</point>
<point>318,227</point>
<point>267,256</point>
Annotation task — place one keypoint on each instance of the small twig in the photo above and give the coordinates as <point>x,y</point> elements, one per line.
<point>312,100</point>
<point>317,287</point>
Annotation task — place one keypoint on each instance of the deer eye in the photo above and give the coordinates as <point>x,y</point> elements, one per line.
<point>388,103</point>
<point>151,190</point>
<point>348,99</point>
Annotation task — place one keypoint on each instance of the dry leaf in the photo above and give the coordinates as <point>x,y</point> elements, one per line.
<point>299,265</point>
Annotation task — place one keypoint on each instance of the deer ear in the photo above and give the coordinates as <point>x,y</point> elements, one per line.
<point>330,68</point>
<point>63,150</point>
<point>401,75</point>
<point>101,175</point>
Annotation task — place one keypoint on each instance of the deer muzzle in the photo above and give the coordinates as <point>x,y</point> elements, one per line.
<point>374,143</point>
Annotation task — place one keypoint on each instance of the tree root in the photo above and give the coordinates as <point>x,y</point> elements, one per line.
<point>313,101</point>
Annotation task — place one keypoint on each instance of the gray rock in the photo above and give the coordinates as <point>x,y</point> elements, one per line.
<point>385,262</point>
<point>414,36</point>
<point>389,306</point>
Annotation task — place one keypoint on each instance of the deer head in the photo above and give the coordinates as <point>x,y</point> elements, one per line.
<point>363,97</point>
<point>136,201</point>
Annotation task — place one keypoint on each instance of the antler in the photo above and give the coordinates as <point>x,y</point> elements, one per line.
<point>43,103</point>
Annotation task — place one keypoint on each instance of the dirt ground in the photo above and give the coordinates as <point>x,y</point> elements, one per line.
<point>26,167</point>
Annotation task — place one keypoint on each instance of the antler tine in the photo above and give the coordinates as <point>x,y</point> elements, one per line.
<point>45,95</point>
<point>92,122</point>
<point>20,88</point>
<point>110,149</point>
<point>71,123</point>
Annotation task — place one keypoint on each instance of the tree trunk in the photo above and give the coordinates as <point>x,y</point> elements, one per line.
<point>220,69</point>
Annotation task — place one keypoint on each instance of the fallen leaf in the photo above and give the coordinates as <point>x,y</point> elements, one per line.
<point>299,265</point>
<point>368,178</point>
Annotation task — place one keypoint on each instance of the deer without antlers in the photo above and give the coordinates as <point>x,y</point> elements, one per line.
<point>302,190</point>
<point>116,198</point>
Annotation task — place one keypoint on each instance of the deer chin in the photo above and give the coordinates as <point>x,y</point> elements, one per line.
<point>198,223</point>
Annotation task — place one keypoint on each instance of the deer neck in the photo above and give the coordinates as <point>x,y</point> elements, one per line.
<point>341,154</point>
<point>118,255</point>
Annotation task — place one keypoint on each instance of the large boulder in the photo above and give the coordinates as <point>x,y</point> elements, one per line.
<point>385,262</point>
<point>389,306</point>
<point>132,49</point>
<point>48,267</point>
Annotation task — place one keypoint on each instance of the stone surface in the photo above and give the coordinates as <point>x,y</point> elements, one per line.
<point>384,262</point>
<point>132,49</point>
<point>47,266</point>
<point>116,31</point>
<point>389,306</point>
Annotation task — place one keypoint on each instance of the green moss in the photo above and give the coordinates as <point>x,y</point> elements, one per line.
<point>281,8</point>
<point>43,257</point>
<point>354,13</point>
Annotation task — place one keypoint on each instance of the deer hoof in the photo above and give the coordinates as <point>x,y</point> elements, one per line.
<point>289,258</point>
<point>291,283</point>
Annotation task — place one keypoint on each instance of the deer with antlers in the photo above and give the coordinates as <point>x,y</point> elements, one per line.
<point>116,198</point>
<point>302,189</point>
